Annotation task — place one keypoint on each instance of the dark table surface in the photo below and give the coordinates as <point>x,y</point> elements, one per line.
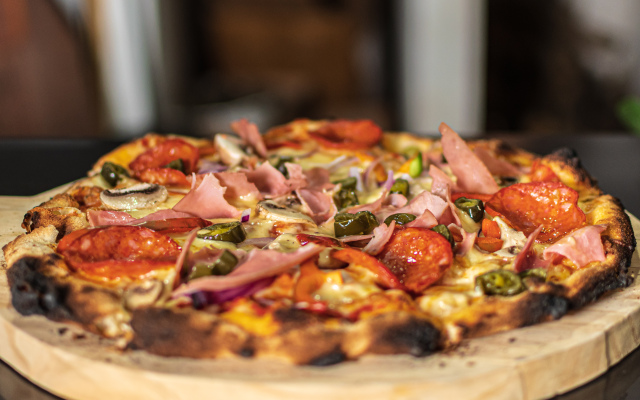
<point>32,166</point>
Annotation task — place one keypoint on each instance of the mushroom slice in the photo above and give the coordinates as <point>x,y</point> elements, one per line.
<point>144,294</point>
<point>269,209</point>
<point>230,153</point>
<point>142,195</point>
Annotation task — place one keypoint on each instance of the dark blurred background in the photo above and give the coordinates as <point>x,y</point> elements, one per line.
<point>119,68</point>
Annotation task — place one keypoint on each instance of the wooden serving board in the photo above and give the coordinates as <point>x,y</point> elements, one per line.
<point>528,363</point>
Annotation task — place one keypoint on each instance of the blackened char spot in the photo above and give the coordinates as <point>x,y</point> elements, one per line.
<point>34,293</point>
<point>334,357</point>
<point>419,337</point>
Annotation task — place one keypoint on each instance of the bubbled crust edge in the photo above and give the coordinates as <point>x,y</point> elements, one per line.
<point>40,284</point>
<point>549,301</point>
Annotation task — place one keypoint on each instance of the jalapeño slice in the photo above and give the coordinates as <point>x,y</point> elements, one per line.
<point>400,186</point>
<point>222,266</point>
<point>500,282</point>
<point>401,218</point>
<point>112,173</point>
<point>472,207</point>
<point>360,223</point>
<point>444,231</point>
<point>226,232</point>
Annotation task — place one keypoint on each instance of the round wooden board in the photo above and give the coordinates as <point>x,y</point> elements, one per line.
<point>528,363</point>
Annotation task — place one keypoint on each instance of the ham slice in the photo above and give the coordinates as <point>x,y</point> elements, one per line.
<point>473,176</point>
<point>426,220</point>
<point>319,205</point>
<point>318,179</point>
<point>381,235</point>
<point>258,264</point>
<point>468,240</point>
<point>207,200</point>
<point>424,202</point>
<point>441,183</point>
<point>495,165</point>
<point>581,246</point>
<point>526,259</point>
<point>271,183</point>
<point>250,135</point>
<point>238,187</point>
<point>105,218</point>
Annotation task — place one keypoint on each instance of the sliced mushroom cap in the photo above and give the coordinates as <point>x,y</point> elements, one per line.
<point>142,195</point>
<point>230,153</point>
<point>269,209</point>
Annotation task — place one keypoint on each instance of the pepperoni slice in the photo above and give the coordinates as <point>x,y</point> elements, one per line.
<point>542,173</point>
<point>347,134</point>
<point>164,176</point>
<point>417,256</point>
<point>385,277</point>
<point>165,152</point>
<point>552,205</point>
<point>116,252</point>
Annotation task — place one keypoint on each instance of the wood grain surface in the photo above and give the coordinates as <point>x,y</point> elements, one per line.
<point>529,363</point>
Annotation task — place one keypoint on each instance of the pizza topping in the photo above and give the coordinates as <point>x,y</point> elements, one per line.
<point>250,135</point>
<point>383,275</point>
<point>360,223</point>
<point>223,264</point>
<point>417,256</point>
<point>346,196</point>
<point>495,165</point>
<point>164,153</point>
<point>226,232</point>
<point>207,200</point>
<point>472,174</point>
<point>112,173</point>
<point>473,208</point>
<point>272,183</point>
<point>424,202</point>
<point>238,187</point>
<point>116,252</point>
<point>230,152</point>
<point>552,205</point>
<point>270,210</point>
<point>319,205</point>
<point>346,134</point>
<point>581,246</point>
<point>381,235</point>
<point>139,196</point>
<point>500,282</point>
<point>259,264</point>
<point>542,173</point>
<point>444,231</point>
<point>400,218</point>
<point>526,259</point>
<point>400,186</point>
<point>175,225</point>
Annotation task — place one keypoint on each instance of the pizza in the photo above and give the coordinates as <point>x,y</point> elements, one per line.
<point>318,242</point>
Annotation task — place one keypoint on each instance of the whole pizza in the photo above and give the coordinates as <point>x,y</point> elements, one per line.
<point>318,242</point>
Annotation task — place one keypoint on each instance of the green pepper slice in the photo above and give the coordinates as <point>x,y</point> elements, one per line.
<point>346,198</point>
<point>279,164</point>
<point>401,218</point>
<point>112,173</point>
<point>360,223</point>
<point>534,274</point>
<point>472,207</point>
<point>225,232</point>
<point>177,164</point>
<point>400,186</point>
<point>347,183</point>
<point>444,231</point>
<point>415,168</point>
<point>222,266</point>
<point>500,282</point>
